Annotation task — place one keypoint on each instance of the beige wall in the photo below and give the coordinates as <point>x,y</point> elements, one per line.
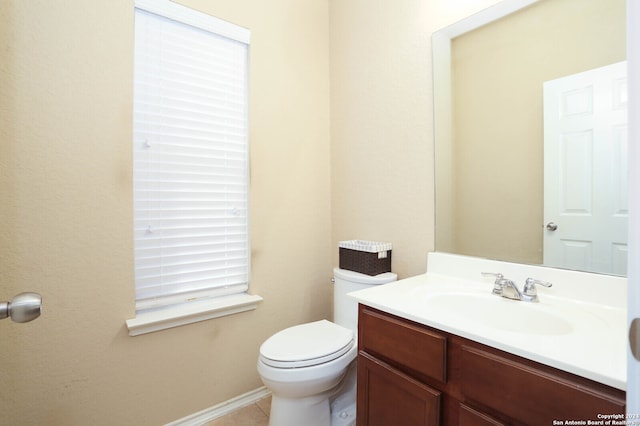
<point>66,218</point>
<point>65,192</point>
<point>498,124</point>
<point>382,122</point>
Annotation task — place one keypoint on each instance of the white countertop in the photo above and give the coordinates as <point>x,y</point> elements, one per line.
<point>579,336</point>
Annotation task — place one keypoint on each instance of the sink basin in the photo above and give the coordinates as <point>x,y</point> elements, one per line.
<point>579,325</point>
<point>500,313</point>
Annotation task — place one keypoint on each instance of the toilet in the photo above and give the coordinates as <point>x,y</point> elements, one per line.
<point>310,368</point>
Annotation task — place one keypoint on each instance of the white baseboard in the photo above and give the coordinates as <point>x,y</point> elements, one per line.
<point>224,408</point>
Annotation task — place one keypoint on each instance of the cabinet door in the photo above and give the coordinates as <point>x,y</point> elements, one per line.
<point>470,417</point>
<point>386,396</point>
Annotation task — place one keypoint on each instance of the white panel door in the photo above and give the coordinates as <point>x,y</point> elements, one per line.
<point>633,293</point>
<point>585,171</point>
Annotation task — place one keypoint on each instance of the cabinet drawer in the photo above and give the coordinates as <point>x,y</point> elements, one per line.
<point>402,343</point>
<point>532,395</point>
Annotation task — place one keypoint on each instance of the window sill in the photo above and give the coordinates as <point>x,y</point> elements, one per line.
<point>189,313</point>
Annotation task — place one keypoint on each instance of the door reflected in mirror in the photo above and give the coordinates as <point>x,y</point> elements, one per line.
<point>585,171</point>
<point>489,130</point>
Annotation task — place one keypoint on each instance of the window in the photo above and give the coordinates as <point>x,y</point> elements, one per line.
<point>190,151</point>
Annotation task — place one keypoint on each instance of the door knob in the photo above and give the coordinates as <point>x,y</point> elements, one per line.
<point>634,338</point>
<point>24,307</point>
<point>551,226</point>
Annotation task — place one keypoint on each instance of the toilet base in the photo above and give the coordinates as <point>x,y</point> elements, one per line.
<point>336,407</point>
<point>343,404</point>
<point>310,411</point>
<point>344,417</point>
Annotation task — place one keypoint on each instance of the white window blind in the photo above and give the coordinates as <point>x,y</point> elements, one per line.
<point>190,146</point>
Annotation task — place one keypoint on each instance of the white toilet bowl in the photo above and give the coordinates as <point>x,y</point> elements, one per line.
<point>306,366</point>
<point>303,367</point>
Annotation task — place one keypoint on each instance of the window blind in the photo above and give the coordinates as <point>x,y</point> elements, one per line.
<point>190,151</point>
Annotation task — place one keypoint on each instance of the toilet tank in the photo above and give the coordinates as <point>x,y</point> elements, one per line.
<point>345,308</point>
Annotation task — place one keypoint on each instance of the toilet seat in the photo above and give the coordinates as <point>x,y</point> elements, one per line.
<point>306,345</point>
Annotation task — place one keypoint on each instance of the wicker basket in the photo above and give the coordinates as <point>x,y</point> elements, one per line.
<point>366,257</point>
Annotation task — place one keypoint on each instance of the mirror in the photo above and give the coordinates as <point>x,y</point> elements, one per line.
<point>489,73</point>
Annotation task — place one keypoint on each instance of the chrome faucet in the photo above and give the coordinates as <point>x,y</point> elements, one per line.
<point>507,288</point>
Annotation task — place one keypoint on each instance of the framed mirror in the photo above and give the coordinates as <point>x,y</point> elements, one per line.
<point>493,171</point>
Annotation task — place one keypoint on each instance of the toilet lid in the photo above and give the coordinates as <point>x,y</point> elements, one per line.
<point>305,345</point>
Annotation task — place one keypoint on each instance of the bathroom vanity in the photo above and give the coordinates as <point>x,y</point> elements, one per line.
<point>441,349</point>
<point>411,374</point>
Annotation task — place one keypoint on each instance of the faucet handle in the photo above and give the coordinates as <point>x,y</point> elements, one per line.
<point>498,275</point>
<point>499,282</point>
<point>530,286</point>
<point>530,283</point>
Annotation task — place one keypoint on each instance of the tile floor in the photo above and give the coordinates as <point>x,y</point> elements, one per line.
<point>252,415</point>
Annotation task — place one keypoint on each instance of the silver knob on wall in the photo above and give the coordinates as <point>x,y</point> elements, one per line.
<point>24,307</point>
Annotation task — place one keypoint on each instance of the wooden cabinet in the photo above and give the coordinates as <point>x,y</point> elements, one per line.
<point>467,416</point>
<point>416,348</point>
<point>411,374</point>
<point>390,397</point>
